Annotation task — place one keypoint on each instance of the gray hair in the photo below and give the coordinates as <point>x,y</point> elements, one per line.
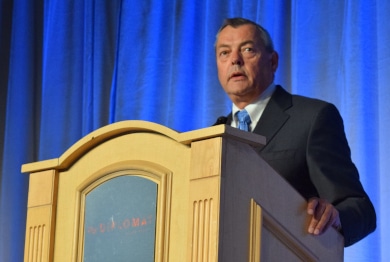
<point>262,32</point>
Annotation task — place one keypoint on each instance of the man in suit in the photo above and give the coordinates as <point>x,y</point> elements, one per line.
<point>306,143</point>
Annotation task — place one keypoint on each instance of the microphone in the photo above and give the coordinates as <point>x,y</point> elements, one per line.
<point>221,120</point>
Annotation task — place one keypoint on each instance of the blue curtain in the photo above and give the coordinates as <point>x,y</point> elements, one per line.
<point>70,67</point>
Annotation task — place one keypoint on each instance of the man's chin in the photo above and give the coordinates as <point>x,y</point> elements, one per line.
<point>238,90</point>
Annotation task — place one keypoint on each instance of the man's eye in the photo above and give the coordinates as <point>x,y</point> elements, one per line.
<point>248,49</point>
<point>223,53</point>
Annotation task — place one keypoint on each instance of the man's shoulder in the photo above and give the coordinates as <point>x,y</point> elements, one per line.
<point>299,100</point>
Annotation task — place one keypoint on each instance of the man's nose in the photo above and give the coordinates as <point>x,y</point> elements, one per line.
<point>236,59</point>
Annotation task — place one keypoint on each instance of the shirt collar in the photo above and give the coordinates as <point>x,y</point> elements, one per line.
<point>256,108</point>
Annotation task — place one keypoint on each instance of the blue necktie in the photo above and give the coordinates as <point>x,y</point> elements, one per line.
<point>244,120</point>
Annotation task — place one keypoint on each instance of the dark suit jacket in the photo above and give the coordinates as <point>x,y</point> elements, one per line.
<point>306,144</point>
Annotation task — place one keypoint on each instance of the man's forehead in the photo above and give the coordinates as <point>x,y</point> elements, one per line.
<point>235,35</point>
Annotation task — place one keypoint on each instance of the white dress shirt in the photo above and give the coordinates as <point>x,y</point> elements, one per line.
<point>256,108</point>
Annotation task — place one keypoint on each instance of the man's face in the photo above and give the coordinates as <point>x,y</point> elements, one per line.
<point>245,68</point>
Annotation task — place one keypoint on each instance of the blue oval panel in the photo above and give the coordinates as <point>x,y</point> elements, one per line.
<point>120,220</point>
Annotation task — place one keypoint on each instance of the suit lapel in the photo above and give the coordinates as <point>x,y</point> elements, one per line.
<point>274,116</point>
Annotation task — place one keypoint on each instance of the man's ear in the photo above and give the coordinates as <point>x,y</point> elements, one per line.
<point>274,60</point>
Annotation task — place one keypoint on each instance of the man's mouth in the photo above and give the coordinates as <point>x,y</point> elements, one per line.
<point>237,76</point>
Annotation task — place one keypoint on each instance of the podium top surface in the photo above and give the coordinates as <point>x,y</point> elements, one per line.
<point>138,126</point>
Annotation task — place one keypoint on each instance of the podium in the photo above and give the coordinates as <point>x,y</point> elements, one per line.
<point>139,191</point>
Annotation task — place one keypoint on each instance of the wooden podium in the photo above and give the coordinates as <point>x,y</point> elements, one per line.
<point>213,199</point>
